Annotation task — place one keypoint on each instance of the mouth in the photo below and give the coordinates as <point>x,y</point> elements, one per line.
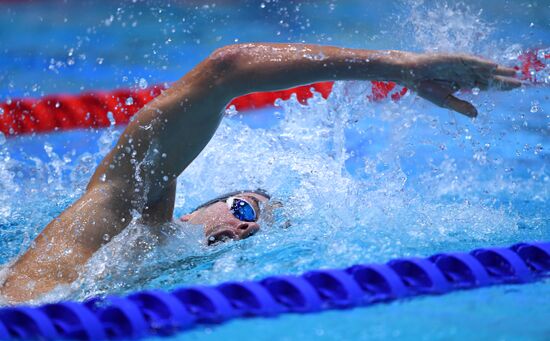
<point>220,234</point>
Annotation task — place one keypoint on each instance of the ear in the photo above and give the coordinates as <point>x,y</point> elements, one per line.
<point>186,217</point>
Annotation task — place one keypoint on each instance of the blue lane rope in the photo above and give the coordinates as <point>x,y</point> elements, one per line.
<point>155,312</point>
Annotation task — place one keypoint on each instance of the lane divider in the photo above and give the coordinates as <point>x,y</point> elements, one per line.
<point>91,109</point>
<point>159,313</point>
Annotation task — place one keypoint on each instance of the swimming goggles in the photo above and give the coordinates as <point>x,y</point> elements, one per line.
<point>241,209</point>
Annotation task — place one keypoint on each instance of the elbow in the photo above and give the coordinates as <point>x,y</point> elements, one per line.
<point>227,55</point>
<point>228,64</point>
<point>227,60</point>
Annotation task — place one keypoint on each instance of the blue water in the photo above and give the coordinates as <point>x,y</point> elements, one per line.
<point>362,182</point>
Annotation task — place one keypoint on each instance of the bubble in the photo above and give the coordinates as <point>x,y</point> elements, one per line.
<point>142,83</point>
<point>534,107</point>
<point>129,101</point>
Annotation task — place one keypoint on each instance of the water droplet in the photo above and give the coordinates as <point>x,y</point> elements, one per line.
<point>48,148</point>
<point>129,101</point>
<point>475,91</point>
<point>106,237</point>
<point>111,118</point>
<point>262,5</point>
<point>100,60</point>
<point>142,83</point>
<point>165,178</point>
<point>534,106</point>
<point>103,177</point>
<point>57,104</point>
<point>538,148</point>
<point>163,155</point>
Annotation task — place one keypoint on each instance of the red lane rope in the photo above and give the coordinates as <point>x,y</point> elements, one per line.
<point>91,109</point>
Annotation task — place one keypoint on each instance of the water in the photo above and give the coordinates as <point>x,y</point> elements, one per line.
<point>361,182</point>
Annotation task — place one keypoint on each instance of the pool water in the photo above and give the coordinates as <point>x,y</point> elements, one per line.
<point>362,182</point>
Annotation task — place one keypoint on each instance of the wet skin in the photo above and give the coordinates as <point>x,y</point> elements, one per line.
<point>220,224</point>
<point>169,132</point>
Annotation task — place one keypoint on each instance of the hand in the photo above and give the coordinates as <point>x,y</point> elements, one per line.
<point>436,77</point>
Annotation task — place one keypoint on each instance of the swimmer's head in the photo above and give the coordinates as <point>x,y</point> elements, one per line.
<point>233,215</point>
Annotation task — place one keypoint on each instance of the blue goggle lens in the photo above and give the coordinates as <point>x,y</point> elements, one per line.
<point>243,210</point>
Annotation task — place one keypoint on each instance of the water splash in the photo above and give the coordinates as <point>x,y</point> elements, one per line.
<point>360,182</point>
<point>445,26</point>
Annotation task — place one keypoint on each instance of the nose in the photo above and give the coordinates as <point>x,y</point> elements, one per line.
<point>246,229</point>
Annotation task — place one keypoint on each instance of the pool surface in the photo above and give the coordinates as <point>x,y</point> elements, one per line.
<point>362,182</point>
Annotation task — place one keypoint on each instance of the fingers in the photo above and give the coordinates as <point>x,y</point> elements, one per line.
<point>434,91</point>
<point>484,71</point>
<point>441,95</point>
<point>484,64</point>
<point>500,80</point>
<point>505,83</point>
<point>504,71</point>
<point>458,105</point>
<point>463,71</point>
<point>477,62</point>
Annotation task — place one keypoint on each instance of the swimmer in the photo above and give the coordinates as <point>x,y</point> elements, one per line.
<point>138,176</point>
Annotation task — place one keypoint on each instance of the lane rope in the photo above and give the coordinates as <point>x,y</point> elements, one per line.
<point>100,108</point>
<point>160,313</point>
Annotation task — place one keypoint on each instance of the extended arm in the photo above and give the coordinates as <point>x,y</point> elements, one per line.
<point>139,174</point>
<point>171,131</point>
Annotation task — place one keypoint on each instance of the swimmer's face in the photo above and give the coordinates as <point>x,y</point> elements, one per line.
<point>221,224</point>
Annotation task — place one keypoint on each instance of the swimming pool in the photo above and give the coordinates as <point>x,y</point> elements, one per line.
<point>366,182</point>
